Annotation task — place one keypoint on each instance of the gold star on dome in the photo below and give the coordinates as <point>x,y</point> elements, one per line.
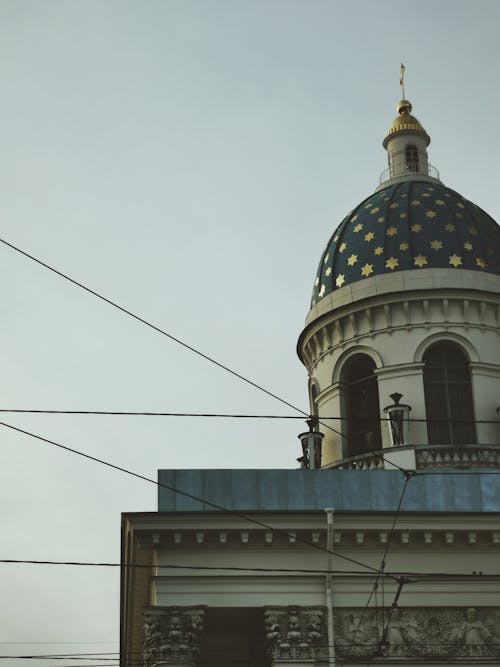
<point>458,215</point>
<point>386,198</point>
<point>366,270</point>
<point>404,195</point>
<point>358,227</point>
<point>439,202</point>
<point>340,280</point>
<point>354,217</point>
<point>370,236</point>
<point>430,214</point>
<point>420,260</point>
<point>431,189</point>
<point>416,228</point>
<point>381,219</point>
<point>394,205</point>
<point>460,205</point>
<point>425,194</point>
<point>326,258</point>
<point>473,231</point>
<point>403,215</point>
<point>374,210</point>
<point>391,263</point>
<point>447,194</point>
<point>436,245</point>
<point>336,238</point>
<point>455,260</point>
<point>352,260</point>
<point>378,250</point>
<point>449,227</point>
<point>481,262</point>
<point>391,231</point>
<point>369,204</point>
<point>322,291</point>
<point>328,271</point>
<point>316,282</point>
<point>342,247</point>
<point>468,246</point>
<point>403,246</point>
<point>415,202</point>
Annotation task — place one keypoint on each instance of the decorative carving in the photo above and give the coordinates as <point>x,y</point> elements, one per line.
<point>294,633</point>
<point>476,636</point>
<point>355,634</point>
<point>172,634</point>
<point>433,632</point>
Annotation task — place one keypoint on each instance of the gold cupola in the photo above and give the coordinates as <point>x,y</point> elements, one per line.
<point>406,144</point>
<point>405,122</point>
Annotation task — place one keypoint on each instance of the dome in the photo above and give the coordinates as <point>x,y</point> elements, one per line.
<point>408,225</point>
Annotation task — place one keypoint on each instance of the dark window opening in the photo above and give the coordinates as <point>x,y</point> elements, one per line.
<point>362,406</point>
<point>412,161</point>
<point>448,396</point>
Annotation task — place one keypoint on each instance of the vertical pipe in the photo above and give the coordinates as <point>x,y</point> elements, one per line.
<point>329,587</point>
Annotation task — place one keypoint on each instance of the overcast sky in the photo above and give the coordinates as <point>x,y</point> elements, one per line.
<point>188,159</point>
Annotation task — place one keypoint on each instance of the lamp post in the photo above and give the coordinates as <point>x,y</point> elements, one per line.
<point>398,420</point>
<point>311,446</point>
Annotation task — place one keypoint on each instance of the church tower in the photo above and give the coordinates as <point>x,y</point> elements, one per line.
<point>383,548</point>
<point>401,342</point>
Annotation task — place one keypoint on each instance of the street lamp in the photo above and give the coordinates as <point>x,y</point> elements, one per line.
<point>311,446</point>
<point>398,419</point>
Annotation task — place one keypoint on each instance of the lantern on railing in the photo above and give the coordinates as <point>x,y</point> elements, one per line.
<point>399,416</point>
<point>311,446</point>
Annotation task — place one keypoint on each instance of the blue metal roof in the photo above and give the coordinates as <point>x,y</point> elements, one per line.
<point>313,490</point>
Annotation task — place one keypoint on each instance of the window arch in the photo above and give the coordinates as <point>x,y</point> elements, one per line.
<point>313,392</point>
<point>362,409</point>
<point>448,396</point>
<point>412,159</point>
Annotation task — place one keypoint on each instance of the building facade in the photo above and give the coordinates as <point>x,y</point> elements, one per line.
<point>384,546</point>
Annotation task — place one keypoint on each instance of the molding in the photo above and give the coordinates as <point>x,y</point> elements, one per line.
<point>343,329</point>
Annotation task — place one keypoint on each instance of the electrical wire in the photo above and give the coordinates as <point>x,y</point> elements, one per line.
<point>412,577</point>
<point>208,503</point>
<point>159,330</point>
<point>218,415</point>
<point>381,571</point>
<point>183,567</point>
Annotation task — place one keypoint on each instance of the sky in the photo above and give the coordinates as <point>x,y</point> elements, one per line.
<point>189,160</point>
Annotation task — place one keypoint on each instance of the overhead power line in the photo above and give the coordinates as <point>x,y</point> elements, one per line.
<point>414,577</point>
<point>218,415</point>
<point>229,568</point>
<point>146,323</point>
<point>128,312</point>
<point>208,503</point>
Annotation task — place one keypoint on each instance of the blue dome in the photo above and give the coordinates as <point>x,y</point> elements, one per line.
<point>408,225</point>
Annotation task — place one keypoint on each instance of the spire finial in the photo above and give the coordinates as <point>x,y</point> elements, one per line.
<point>402,79</point>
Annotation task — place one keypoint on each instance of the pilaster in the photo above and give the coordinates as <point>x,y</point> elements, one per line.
<point>172,635</point>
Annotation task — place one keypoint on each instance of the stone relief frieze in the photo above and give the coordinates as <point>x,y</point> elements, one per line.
<point>294,633</point>
<point>172,633</point>
<point>431,632</point>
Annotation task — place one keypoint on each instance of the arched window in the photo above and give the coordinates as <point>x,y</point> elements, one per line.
<point>448,396</point>
<point>314,402</point>
<point>412,163</point>
<point>361,406</point>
